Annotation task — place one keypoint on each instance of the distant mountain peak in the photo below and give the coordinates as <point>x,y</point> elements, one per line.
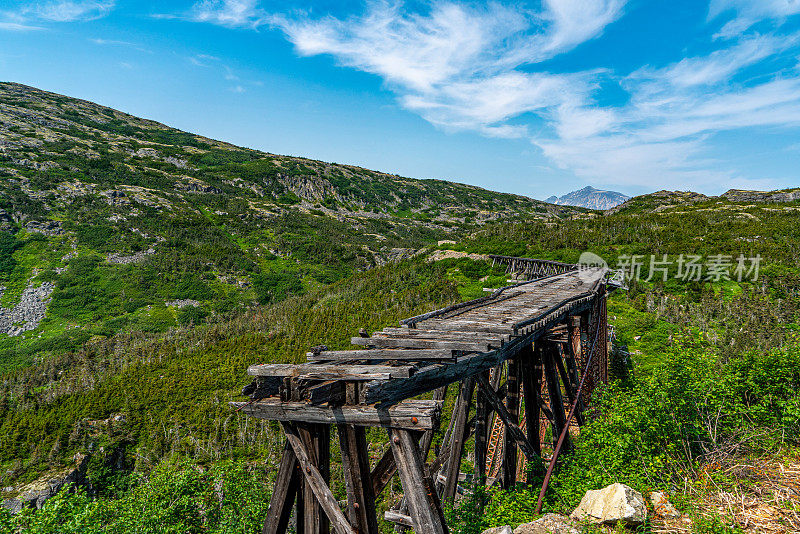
<point>589,197</point>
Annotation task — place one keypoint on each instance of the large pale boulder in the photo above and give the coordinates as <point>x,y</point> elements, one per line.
<point>611,504</point>
<point>549,524</point>
<point>505,529</point>
<point>662,506</point>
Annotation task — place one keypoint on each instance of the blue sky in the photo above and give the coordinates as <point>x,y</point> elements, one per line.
<point>537,98</point>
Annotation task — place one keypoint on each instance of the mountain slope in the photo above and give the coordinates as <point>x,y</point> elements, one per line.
<point>109,223</point>
<point>591,198</point>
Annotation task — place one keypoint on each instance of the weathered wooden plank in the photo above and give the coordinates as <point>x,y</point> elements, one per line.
<point>457,440</point>
<point>355,465</point>
<point>283,494</point>
<point>383,472</point>
<point>443,324</point>
<point>331,391</point>
<point>423,501</point>
<point>422,332</point>
<point>413,416</point>
<point>434,376</point>
<point>317,482</point>
<point>316,439</point>
<point>316,371</point>
<point>413,343</point>
<point>381,354</point>
<point>400,519</point>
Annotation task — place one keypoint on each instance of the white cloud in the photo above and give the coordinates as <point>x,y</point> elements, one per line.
<point>749,12</point>
<point>478,67</point>
<point>17,27</point>
<point>72,11</point>
<point>230,13</point>
<point>109,42</point>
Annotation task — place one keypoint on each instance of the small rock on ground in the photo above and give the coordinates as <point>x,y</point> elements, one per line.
<point>662,506</point>
<point>616,502</point>
<point>549,524</point>
<point>505,529</point>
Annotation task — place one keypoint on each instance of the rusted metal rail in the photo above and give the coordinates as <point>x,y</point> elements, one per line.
<point>521,354</point>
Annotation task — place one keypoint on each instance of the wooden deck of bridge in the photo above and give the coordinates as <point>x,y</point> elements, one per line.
<point>545,338</point>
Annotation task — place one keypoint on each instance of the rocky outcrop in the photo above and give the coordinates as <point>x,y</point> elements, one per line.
<point>550,524</point>
<point>28,313</point>
<point>6,221</point>
<point>505,529</point>
<point>136,257</point>
<point>35,494</point>
<point>614,503</point>
<point>51,228</point>
<point>741,195</point>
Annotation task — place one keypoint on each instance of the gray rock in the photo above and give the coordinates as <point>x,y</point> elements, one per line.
<point>549,524</point>
<point>505,529</point>
<point>616,502</point>
<point>51,228</point>
<point>28,313</point>
<point>35,494</point>
<point>662,506</point>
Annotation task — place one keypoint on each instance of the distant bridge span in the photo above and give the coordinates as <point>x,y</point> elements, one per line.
<point>529,355</point>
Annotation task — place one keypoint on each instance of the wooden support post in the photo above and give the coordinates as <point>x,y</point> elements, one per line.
<point>423,501</point>
<point>481,433</point>
<point>550,353</point>
<point>531,392</point>
<point>439,394</point>
<point>457,440</point>
<point>283,494</point>
<point>321,493</point>
<point>383,472</point>
<point>355,465</point>
<point>316,439</point>
<point>515,431</point>
<point>573,357</point>
<point>509,472</point>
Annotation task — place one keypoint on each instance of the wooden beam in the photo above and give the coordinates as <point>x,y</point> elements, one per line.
<point>531,387</point>
<point>318,371</point>
<point>413,415</point>
<point>481,434</point>
<point>381,354</point>
<point>423,501</point>
<point>400,519</point>
<point>316,439</point>
<point>283,493</point>
<point>460,417</point>
<point>509,472</point>
<point>317,482</point>
<point>355,465</point>
<point>515,431</point>
<point>549,354</point>
<point>413,343</point>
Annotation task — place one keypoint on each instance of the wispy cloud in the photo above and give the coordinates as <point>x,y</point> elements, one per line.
<point>230,13</point>
<point>18,27</point>
<point>479,67</point>
<point>72,11</point>
<point>110,42</point>
<point>749,12</point>
<point>25,17</point>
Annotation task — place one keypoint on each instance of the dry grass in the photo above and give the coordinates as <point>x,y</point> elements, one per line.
<point>764,497</point>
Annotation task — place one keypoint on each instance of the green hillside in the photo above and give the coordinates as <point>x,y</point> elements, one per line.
<point>162,293</point>
<point>129,225</point>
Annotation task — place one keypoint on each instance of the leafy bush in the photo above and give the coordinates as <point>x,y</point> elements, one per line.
<point>275,287</point>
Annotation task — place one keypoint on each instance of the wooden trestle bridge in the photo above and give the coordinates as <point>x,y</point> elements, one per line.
<point>529,355</point>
